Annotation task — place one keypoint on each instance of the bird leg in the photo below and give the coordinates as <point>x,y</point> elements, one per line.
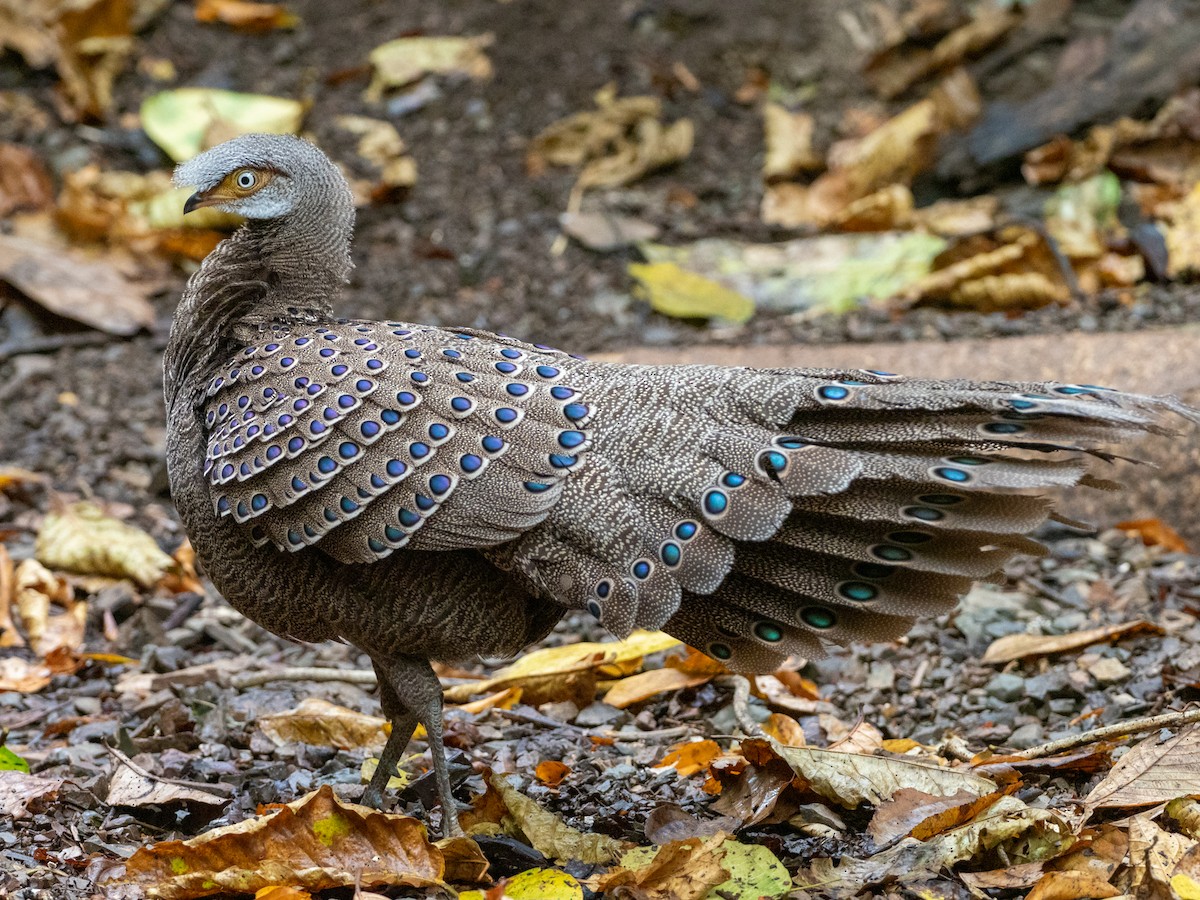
<point>410,692</point>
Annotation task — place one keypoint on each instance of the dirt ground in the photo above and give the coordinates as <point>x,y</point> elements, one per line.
<point>471,244</point>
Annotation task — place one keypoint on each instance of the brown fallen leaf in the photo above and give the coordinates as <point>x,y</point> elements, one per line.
<point>22,794</point>
<point>246,15</point>
<point>784,729</point>
<point>319,722</point>
<point>133,784</point>
<point>1156,533</point>
<point>37,591</point>
<point>399,63</point>
<point>380,144</point>
<point>1023,646</point>
<point>1072,886</point>
<point>789,143</point>
<point>22,676</point>
<point>914,813</point>
<point>644,685</point>
<point>1154,856</point>
<point>315,843</point>
<point>70,284</point>
<point>1153,771</point>
<point>25,183</point>
<point>684,870</point>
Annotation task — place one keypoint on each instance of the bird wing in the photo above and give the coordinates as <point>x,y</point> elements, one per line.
<point>355,436</point>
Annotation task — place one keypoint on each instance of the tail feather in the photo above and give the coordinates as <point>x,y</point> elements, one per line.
<point>790,509</point>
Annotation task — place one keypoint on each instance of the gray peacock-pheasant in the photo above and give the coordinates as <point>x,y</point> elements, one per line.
<point>439,493</point>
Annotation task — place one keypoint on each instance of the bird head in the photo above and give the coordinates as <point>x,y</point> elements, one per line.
<point>259,176</point>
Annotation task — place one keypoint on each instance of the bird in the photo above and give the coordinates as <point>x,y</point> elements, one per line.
<point>442,493</point>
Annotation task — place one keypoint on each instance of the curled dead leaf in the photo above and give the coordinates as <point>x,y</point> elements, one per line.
<point>246,15</point>
<point>319,722</point>
<point>83,539</point>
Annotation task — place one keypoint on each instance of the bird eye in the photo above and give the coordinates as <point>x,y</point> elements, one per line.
<point>246,179</point>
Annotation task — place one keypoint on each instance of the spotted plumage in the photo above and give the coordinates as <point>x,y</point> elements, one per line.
<point>436,493</point>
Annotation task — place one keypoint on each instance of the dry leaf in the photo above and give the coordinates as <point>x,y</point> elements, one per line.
<point>1156,533</point>
<point>317,842</point>
<point>70,284</point>
<point>784,729</point>
<point>1153,771</point>
<point>380,144</point>
<point>325,724</point>
<point>138,787</point>
<point>22,794</point>
<point>914,813</point>
<point>604,231</point>
<point>551,772</point>
<point>1154,856</point>
<point>36,592</point>
<point>246,15</point>
<point>83,539</point>
<point>401,62</point>
<point>690,757</point>
<point>22,676</point>
<point>555,662</point>
<point>548,834</point>
<point>187,120</point>
<point>789,149</point>
<point>1023,646</point>
<point>683,870</point>
<point>849,779</point>
<point>644,685</point>
<point>677,292</point>
<point>282,892</point>
<point>25,183</point>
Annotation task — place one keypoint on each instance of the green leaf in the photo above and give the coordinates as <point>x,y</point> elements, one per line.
<point>536,884</point>
<point>10,762</point>
<point>185,121</point>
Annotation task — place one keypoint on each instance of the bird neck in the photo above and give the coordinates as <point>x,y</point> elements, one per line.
<point>268,271</point>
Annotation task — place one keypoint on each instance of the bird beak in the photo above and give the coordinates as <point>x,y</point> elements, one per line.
<point>201,199</point>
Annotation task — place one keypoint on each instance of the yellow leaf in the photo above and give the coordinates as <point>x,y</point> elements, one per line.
<point>83,539</point>
<point>535,884</point>
<point>402,61</point>
<point>319,722</point>
<point>690,757</point>
<point>187,120</point>
<point>677,292</point>
<point>645,685</point>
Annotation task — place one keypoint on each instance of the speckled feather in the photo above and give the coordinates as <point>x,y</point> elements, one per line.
<point>753,513</point>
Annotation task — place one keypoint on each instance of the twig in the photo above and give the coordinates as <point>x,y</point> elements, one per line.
<point>531,717</point>
<point>1116,729</point>
<point>178,782</point>
<point>304,673</point>
<point>658,734</point>
<point>741,703</point>
<point>52,343</point>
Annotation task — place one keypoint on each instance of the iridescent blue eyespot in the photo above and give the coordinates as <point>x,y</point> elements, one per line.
<point>241,510</point>
<point>360,341</point>
<point>575,411</point>
<point>603,589</point>
<point>949,474</point>
<point>298,484</point>
<point>390,416</point>
<point>773,461</point>
<point>536,487</point>
<point>418,449</point>
<point>339,370</point>
<point>408,518</point>
<point>439,484</point>
<point>818,617</point>
<point>412,353</point>
<point>273,452</point>
<point>348,506</point>
<point>547,371</point>
<point>376,545</point>
<point>317,427</point>
<point>345,401</point>
<point>832,392</point>
<point>363,385</point>
<point>516,389</point>
<point>732,480</point>
<point>227,470</point>
<point>924,513</point>
<point>685,531</point>
<point>470,462</point>
<point>258,502</point>
<point>715,502</point>
<point>222,504</point>
<point>325,465</point>
<point>1003,428</point>
<point>395,468</point>
<point>287,362</point>
<point>406,398</point>
<point>492,444</point>
<point>506,368</point>
<point>300,405</point>
<point>438,431</point>
<point>593,607</point>
<point>511,353</point>
<point>425,504</point>
<point>571,439</point>
<point>460,404</point>
<point>888,553</point>
<point>558,392</point>
<point>271,348</point>
<point>392,533</point>
<point>374,364</point>
<point>562,461</point>
<point>791,444</point>
<point>327,352</point>
<point>641,570</point>
<point>296,444</point>
<point>506,415</point>
<point>256,370</point>
<point>301,382</point>
<point>452,354</point>
<point>720,651</point>
<point>859,591</point>
<point>670,553</point>
<point>300,342</point>
<point>369,429</point>
<point>294,537</point>
<point>314,389</point>
<point>464,377</point>
<point>419,377</point>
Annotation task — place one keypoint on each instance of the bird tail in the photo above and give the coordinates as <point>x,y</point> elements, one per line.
<point>757,514</point>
